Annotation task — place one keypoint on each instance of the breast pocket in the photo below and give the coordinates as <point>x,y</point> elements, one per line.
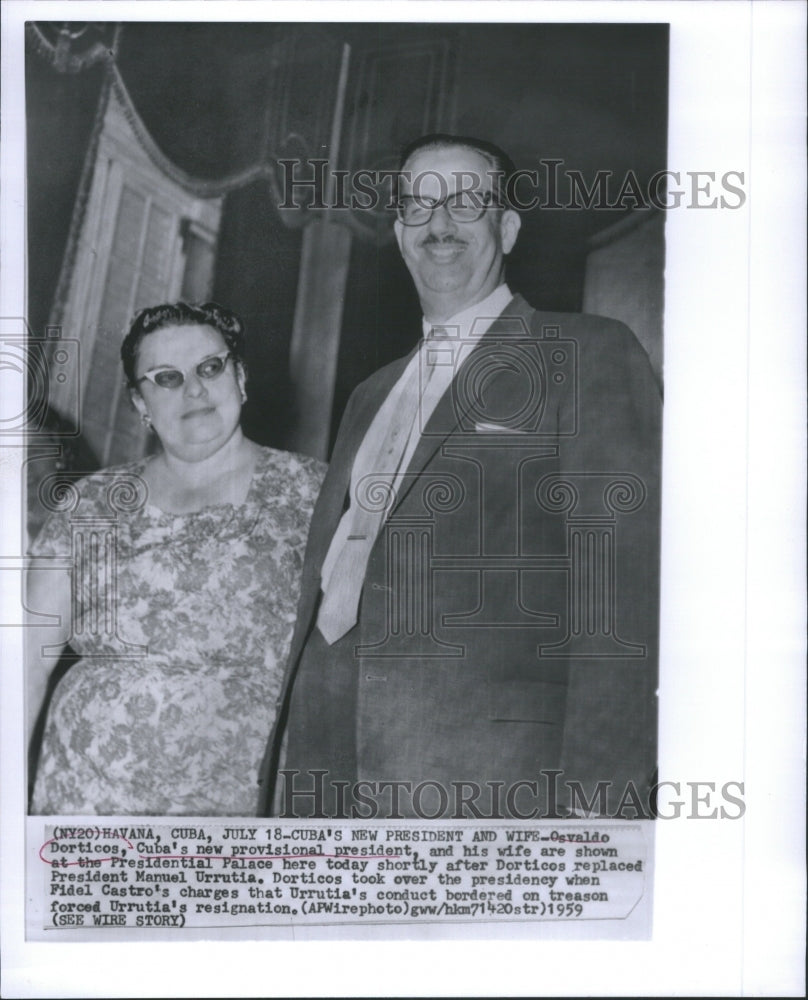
<point>536,702</point>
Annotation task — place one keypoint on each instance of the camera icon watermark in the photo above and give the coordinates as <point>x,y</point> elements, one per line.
<point>503,381</point>
<point>36,372</point>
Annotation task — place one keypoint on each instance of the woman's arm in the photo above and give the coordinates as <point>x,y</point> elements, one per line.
<point>47,592</point>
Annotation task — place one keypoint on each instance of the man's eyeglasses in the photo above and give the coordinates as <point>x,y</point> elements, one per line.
<point>464,206</point>
<point>172,378</point>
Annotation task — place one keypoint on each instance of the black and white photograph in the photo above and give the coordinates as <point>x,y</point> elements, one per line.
<point>380,556</point>
<point>475,613</point>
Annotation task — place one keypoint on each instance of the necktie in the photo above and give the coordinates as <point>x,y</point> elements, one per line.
<point>346,562</point>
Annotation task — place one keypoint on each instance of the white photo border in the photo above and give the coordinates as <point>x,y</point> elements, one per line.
<point>729,896</point>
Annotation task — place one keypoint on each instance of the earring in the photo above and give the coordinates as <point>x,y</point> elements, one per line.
<point>146,419</point>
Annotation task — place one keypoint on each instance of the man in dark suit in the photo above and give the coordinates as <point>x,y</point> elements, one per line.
<point>477,630</point>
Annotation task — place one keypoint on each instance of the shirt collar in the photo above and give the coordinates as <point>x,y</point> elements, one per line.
<point>486,311</point>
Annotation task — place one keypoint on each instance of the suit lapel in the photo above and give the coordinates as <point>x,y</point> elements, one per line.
<point>451,410</point>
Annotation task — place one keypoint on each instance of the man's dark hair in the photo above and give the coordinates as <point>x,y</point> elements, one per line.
<point>502,166</point>
<point>181,314</point>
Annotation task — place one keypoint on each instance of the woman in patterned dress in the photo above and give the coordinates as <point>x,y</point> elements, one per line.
<point>175,579</point>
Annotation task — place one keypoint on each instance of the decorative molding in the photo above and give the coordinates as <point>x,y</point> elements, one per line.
<point>64,283</point>
<point>282,138</point>
<point>73,46</point>
<point>372,141</point>
<point>375,137</point>
<point>206,189</point>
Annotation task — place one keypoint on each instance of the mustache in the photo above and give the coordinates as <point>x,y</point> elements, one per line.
<point>448,240</point>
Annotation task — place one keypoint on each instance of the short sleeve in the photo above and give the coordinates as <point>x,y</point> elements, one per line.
<point>87,496</point>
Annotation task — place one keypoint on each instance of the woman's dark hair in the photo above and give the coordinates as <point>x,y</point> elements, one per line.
<point>181,314</point>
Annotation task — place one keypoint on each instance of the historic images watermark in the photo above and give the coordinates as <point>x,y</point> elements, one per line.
<point>313,185</point>
<point>539,797</point>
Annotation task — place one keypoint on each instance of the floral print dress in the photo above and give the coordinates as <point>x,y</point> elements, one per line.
<point>183,624</point>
